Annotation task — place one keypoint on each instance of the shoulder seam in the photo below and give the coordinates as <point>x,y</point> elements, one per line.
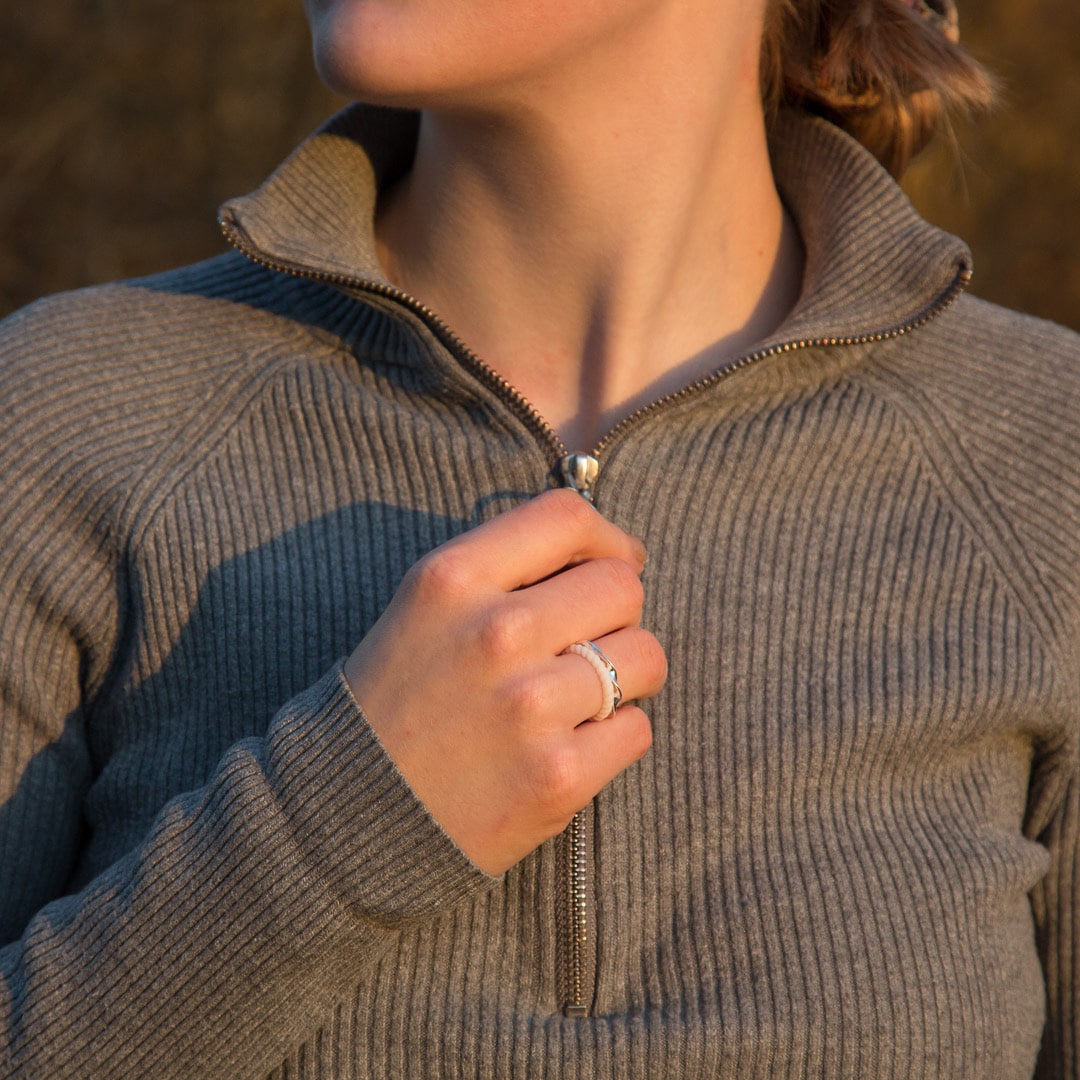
<point>971,496</point>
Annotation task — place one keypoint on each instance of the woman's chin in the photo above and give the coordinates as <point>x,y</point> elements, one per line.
<point>358,54</point>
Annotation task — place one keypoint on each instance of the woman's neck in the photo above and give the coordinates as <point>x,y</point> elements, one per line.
<point>601,245</point>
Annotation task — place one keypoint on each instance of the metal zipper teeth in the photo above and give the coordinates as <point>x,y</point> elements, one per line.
<point>931,311</point>
<point>486,374</point>
<point>522,406</point>
<point>577,928</point>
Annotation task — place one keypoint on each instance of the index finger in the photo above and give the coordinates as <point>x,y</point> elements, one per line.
<point>547,534</point>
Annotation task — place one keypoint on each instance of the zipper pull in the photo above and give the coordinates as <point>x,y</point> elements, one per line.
<point>579,472</point>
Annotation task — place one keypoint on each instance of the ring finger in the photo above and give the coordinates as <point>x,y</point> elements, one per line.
<point>581,687</point>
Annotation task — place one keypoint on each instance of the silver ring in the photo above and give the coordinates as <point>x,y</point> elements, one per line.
<point>605,671</point>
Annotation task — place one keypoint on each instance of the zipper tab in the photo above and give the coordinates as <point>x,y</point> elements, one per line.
<point>579,472</point>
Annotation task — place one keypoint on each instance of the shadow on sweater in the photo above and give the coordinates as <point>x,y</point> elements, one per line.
<point>266,625</point>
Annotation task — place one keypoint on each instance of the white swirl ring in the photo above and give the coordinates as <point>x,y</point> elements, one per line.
<point>605,672</point>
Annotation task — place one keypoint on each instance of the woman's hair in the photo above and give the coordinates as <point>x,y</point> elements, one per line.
<point>886,71</point>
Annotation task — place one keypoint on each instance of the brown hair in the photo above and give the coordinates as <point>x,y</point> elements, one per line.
<point>877,68</point>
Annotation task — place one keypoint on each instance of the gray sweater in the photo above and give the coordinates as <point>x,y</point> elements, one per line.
<point>852,849</point>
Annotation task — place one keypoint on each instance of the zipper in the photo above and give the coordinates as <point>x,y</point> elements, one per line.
<point>580,472</point>
<point>454,345</point>
<point>520,404</point>
<point>573,955</point>
<point>935,307</point>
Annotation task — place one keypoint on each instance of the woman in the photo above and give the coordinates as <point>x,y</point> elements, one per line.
<point>849,851</point>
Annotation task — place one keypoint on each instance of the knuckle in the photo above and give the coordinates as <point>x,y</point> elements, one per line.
<point>658,659</point>
<point>505,632</point>
<point>528,697</point>
<point>650,660</point>
<point>555,782</point>
<point>623,579</point>
<point>638,738</point>
<point>441,573</point>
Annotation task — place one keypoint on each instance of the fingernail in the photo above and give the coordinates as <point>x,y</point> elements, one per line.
<point>641,551</point>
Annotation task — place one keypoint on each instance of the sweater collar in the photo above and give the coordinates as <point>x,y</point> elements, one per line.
<point>874,267</point>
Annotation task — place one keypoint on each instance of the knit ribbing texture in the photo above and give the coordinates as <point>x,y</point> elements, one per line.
<point>851,850</point>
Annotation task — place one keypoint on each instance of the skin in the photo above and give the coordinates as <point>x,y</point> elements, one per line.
<point>492,730</point>
<point>592,209</point>
<point>592,205</point>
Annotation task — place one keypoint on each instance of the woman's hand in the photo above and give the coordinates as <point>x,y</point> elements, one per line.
<point>463,680</point>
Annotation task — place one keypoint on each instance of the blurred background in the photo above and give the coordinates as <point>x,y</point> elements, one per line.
<point>123,125</point>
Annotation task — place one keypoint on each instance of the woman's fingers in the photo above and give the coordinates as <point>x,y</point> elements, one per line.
<point>586,601</point>
<point>532,542</point>
<point>606,748</point>
<point>640,669</point>
<point>464,680</point>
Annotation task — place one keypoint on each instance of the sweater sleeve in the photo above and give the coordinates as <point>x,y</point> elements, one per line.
<point>245,910</point>
<point>1057,921</point>
<point>252,902</point>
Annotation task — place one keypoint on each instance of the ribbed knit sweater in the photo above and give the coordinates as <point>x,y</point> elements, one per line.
<point>851,851</point>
